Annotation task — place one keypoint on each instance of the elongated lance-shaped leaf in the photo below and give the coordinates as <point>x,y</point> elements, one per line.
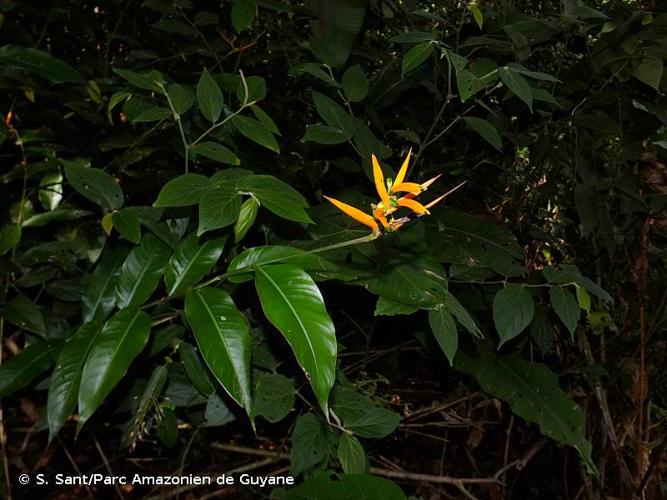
<point>21,369</point>
<point>224,341</point>
<point>191,261</point>
<point>66,378</point>
<point>293,303</point>
<point>141,272</point>
<point>533,392</point>
<point>100,297</point>
<point>122,339</point>
<point>148,401</point>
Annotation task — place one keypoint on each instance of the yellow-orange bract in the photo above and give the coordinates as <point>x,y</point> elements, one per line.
<point>389,202</point>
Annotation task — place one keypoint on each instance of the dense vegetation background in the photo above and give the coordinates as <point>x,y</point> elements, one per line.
<point>178,298</point>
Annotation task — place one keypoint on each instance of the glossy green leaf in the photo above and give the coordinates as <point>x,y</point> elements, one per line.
<point>345,487</point>
<point>195,370</point>
<point>181,97</point>
<point>18,371</point>
<point>224,341</point>
<point>51,190</point>
<point>10,235</point>
<point>355,84</point>
<point>243,14</point>
<point>141,272</point>
<point>256,131</point>
<point>533,392</point>
<point>22,312</point>
<point>100,296</point>
<point>276,195</point>
<point>122,338</point>
<point>127,224</point>
<point>40,63</point>
<point>517,84</point>
<point>309,443</point>
<point>219,207</point>
<point>513,310</point>
<point>66,378</point>
<point>362,416</point>
<point>351,455</point>
<point>323,134</point>
<point>209,97</point>
<point>420,283</point>
<point>294,305</point>
<point>414,57</point>
<point>183,191</point>
<point>140,80</point>
<point>216,152</point>
<point>247,215</point>
<point>477,14</point>
<point>274,396</point>
<point>486,130</point>
<point>444,330</point>
<point>94,184</point>
<point>566,307</point>
<point>191,262</point>
<point>59,214</point>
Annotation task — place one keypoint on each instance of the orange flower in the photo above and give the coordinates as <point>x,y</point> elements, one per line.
<point>389,202</point>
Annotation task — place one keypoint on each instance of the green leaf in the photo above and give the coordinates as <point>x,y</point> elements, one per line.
<point>18,371</point>
<point>183,191</point>
<point>323,134</point>
<point>256,131</point>
<point>486,130</point>
<point>219,207</point>
<point>541,329</point>
<point>294,305</point>
<point>40,63</point>
<point>141,272</point>
<point>195,370</point>
<point>122,338</point>
<point>224,341</point>
<point>309,443</point>
<point>420,283</point>
<point>351,455</point>
<point>191,262</point>
<point>362,416</point>
<point>345,487</point>
<point>247,215</point>
<point>209,97</point>
<point>333,113</point>
<point>476,14</point>
<point>152,115</point>
<point>274,396</point>
<point>388,307</point>
<point>444,331</point>
<point>256,89</point>
<point>265,119</point>
<point>533,392</point>
<point>51,190</point>
<point>412,37</point>
<point>517,68</point>
<point>243,14</point>
<point>216,152</point>
<point>517,84</point>
<point>271,254</point>
<point>217,412</point>
<point>649,71</point>
<point>276,195</point>
<point>583,299</point>
<point>566,307</point>
<point>355,84</point>
<point>127,224</point>
<point>22,312</point>
<point>142,81</point>
<point>66,378</point>
<point>100,296</point>
<point>315,70</point>
<point>414,57</point>
<point>10,235</point>
<point>58,214</point>
<point>454,307</point>
<point>181,97</point>
<point>513,310</point>
<point>147,402</point>
<point>94,184</point>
